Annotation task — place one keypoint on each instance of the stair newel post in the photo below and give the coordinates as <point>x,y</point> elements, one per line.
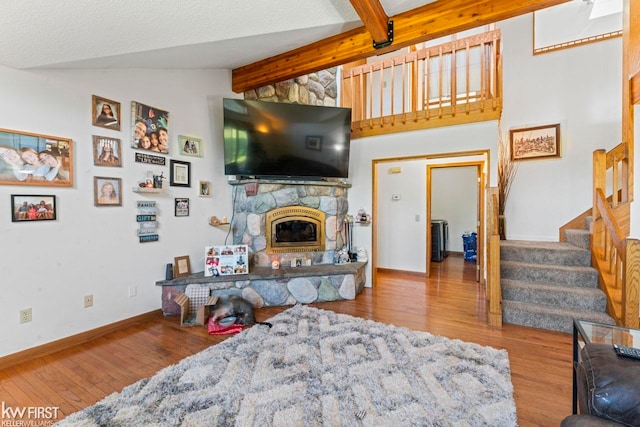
<point>599,182</point>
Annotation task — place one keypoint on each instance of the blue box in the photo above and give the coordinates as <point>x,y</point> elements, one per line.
<point>469,242</point>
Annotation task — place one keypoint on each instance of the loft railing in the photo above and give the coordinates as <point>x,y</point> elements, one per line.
<point>614,255</point>
<point>453,83</point>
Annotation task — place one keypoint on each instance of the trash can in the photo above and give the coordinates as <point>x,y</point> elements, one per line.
<point>469,242</point>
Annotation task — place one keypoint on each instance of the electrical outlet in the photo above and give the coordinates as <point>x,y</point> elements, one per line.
<point>133,291</point>
<point>88,301</point>
<point>25,315</point>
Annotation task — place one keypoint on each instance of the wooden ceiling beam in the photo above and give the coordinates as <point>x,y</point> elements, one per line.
<point>433,20</point>
<point>373,17</point>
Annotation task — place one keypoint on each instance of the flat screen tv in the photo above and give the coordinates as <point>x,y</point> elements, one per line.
<point>287,141</point>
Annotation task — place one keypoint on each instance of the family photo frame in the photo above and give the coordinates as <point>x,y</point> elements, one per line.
<point>107,151</point>
<point>34,159</point>
<point>190,146</point>
<point>149,128</point>
<point>181,206</point>
<point>105,113</point>
<point>179,173</point>
<point>539,142</point>
<point>27,207</point>
<point>107,191</point>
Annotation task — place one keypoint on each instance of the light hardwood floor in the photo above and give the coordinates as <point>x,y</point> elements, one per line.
<point>450,303</point>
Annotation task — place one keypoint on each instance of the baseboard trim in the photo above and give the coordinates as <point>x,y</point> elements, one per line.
<point>405,272</point>
<point>73,340</point>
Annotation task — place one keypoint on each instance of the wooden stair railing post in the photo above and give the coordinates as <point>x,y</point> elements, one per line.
<point>494,290</point>
<point>631,284</point>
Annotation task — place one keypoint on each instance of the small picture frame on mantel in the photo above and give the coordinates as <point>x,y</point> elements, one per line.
<point>181,266</point>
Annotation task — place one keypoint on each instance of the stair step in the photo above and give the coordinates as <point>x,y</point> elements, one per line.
<point>551,294</point>
<point>578,237</point>
<point>556,253</point>
<point>548,317</point>
<point>586,277</point>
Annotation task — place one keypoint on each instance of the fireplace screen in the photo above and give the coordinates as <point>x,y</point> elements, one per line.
<point>295,229</point>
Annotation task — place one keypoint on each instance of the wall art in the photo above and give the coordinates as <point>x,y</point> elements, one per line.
<point>190,146</point>
<point>27,207</point>
<point>182,206</point>
<point>105,113</point>
<point>180,173</point>
<point>107,151</point>
<point>107,191</point>
<point>149,128</point>
<point>204,189</point>
<point>34,159</point>
<point>535,142</point>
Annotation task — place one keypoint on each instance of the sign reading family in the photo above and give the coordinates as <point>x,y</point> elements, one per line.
<point>150,130</point>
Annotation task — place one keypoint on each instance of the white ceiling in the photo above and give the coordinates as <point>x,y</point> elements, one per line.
<point>167,33</point>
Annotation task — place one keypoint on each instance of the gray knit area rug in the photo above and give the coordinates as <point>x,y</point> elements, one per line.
<point>319,368</point>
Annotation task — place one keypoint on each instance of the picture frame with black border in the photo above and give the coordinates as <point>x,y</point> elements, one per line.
<point>179,173</point>
<point>181,205</point>
<point>28,207</point>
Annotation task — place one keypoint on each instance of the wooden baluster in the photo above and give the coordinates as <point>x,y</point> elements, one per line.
<point>440,66</point>
<point>427,84</point>
<point>483,76</point>
<point>393,95</point>
<point>370,96</point>
<point>454,82</point>
<point>467,75</point>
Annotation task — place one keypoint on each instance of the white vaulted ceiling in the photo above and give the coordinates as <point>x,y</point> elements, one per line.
<point>167,33</point>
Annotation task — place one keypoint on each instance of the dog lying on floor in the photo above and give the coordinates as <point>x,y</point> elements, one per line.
<point>234,310</point>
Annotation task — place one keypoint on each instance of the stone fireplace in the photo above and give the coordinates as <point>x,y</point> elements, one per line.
<point>289,219</point>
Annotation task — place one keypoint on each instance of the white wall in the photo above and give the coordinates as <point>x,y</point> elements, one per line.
<point>580,88</point>
<point>49,266</point>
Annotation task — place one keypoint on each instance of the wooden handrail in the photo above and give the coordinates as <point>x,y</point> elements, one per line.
<point>615,256</point>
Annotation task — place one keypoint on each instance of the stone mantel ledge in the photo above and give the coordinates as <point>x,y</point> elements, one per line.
<point>319,183</point>
<point>264,286</point>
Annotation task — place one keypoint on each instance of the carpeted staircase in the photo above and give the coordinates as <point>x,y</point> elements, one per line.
<point>548,284</point>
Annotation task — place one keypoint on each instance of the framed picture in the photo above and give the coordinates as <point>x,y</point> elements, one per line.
<point>535,142</point>
<point>204,189</point>
<point>190,146</point>
<point>105,113</point>
<point>107,151</point>
<point>150,128</point>
<point>34,159</point>
<point>182,266</point>
<point>179,173</point>
<point>33,208</point>
<point>314,143</point>
<point>182,206</point>
<point>107,191</point>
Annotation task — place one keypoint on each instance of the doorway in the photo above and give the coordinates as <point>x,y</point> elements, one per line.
<point>454,195</point>
<point>401,239</point>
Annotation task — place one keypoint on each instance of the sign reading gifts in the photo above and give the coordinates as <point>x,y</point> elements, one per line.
<point>226,260</point>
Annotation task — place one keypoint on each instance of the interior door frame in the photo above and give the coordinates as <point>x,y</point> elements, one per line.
<point>483,159</point>
<point>480,214</point>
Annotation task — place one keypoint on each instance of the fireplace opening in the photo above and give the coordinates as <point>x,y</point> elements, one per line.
<point>295,229</point>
